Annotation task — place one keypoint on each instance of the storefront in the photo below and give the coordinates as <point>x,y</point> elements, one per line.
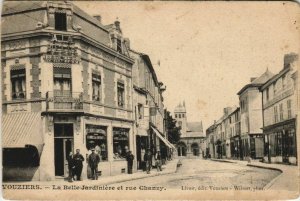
<point>281,143</point>
<point>256,146</point>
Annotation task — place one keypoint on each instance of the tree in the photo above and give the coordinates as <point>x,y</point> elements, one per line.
<point>173,131</point>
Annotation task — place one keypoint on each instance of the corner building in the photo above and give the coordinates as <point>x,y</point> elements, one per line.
<point>66,85</point>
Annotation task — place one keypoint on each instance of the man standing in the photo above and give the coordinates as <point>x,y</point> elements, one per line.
<point>158,161</point>
<point>78,159</point>
<point>71,166</point>
<point>148,160</point>
<point>129,158</point>
<point>93,162</point>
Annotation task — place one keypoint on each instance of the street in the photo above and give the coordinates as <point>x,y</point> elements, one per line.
<point>197,173</point>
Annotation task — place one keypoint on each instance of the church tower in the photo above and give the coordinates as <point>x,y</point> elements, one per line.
<point>180,116</point>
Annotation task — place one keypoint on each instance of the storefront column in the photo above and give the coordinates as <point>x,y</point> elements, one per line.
<point>110,151</point>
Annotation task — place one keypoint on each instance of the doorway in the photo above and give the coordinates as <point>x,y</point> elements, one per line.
<point>63,145</point>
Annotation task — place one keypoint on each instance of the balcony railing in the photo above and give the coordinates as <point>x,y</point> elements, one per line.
<point>64,100</point>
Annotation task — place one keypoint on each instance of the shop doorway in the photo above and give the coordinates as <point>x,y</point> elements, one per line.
<point>63,145</point>
<point>141,146</point>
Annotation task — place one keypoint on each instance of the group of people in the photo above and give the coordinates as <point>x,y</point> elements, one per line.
<point>75,163</point>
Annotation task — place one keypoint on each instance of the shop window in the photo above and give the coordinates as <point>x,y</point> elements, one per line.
<point>18,84</point>
<point>140,111</point>
<point>96,84</point>
<point>60,21</point>
<point>281,112</point>
<point>62,82</point>
<point>279,144</point>
<point>120,141</point>
<point>120,91</point>
<point>119,46</point>
<point>291,141</point>
<point>96,137</point>
<point>289,108</point>
<point>273,143</point>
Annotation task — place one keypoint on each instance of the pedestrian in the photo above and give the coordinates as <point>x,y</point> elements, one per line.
<point>158,161</point>
<point>71,166</point>
<point>148,160</point>
<point>93,161</point>
<point>78,159</point>
<point>129,158</point>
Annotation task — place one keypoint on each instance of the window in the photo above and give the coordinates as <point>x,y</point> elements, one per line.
<point>289,108</point>
<point>120,141</point>
<point>96,137</point>
<point>96,84</point>
<point>18,84</point>
<point>120,92</point>
<point>60,21</point>
<point>267,94</point>
<point>182,115</point>
<point>175,115</point>
<point>62,82</point>
<point>275,114</point>
<point>140,111</point>
<point>283,81</point>
<point>179,115</point>
<point>281,112</point>
<point>119,46</point>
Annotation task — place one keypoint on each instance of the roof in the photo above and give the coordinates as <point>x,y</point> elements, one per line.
<point>29,13</point>
<point>258,81</point>
<point>194,127</point>
<point>21,129</point>
<point>180,108</point>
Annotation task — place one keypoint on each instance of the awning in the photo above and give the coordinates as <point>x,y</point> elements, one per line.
<point>163,139</point>
<point>22,129</point>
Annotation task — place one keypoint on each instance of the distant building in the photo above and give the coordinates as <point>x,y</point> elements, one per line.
<point>279,97</point>
<point>192,141</point>
<point>251,117</point>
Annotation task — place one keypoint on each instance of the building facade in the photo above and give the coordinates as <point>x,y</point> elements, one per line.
<point>66,85</point>
<point>192,142</point>
<point>279,98</point>
<point>251,117</point>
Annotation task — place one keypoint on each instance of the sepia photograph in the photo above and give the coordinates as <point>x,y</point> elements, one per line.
<point>150,100</point>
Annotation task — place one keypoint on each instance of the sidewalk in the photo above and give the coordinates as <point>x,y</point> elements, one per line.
<point>169,168</point>
<point>287,180</point>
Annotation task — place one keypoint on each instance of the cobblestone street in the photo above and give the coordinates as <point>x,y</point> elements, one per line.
<point>210,174</point>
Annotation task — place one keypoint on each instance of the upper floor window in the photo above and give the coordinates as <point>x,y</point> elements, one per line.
<point>267,94</point>
<point>60,21</point>
<point>280,112</point>
<point>62,81</point>
<point>289,108</point>
<point>120,92</point>
<point>275,114</point>
<point>140,111</point>
<point>283,81</point>
<point>96,84</point>
<point>179,115</point>
<point>119,46</point>
<point>18,84</point>
<point>175,115</point>
<point>182,115</point>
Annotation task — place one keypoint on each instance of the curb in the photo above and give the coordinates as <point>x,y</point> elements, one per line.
<point>143,176</point>
<point>225,161</point>
<point>270,168</point>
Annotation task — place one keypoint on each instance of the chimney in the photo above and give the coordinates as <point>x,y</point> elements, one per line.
<point>98,17</point>
<point>290,58</point>
<point>127,42</point>
<point>252,79</point>
<point>117,24</point>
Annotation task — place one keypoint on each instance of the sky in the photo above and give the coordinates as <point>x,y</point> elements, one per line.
<point>207,50</point>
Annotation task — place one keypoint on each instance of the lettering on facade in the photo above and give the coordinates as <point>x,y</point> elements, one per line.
<point>19,108</point>
<point>62,50</point>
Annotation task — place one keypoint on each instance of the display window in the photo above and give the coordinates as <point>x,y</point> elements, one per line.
<point>96,137</point>
<point>120,142</point>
